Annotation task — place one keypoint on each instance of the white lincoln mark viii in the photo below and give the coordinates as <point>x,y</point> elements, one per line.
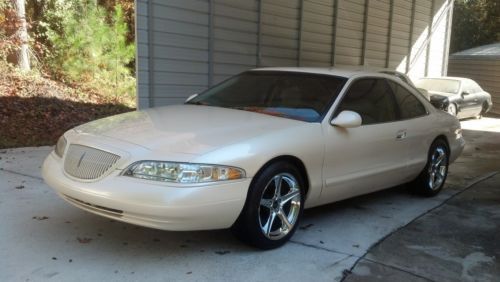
<point>253,151</point>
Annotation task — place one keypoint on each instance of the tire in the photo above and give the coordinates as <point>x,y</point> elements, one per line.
<point>268,219</point>
<point>484,109</point>
<point>452,109</point>
<point>432,178</point>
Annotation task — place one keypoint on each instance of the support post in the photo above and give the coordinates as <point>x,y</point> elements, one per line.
<point>410,39</point>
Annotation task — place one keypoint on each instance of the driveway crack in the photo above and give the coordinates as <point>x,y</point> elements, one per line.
<point>22,174</point>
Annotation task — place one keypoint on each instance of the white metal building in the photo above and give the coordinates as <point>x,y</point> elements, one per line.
<point>184,46</point>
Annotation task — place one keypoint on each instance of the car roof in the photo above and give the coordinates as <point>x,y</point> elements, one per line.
<point>342,72</point>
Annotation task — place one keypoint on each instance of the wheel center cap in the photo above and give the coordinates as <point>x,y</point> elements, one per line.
<point>276,205</point>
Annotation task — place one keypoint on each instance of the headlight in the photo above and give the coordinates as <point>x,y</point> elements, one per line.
<point>60,146</point>
<point>182,172</point>
<point>445,104</point>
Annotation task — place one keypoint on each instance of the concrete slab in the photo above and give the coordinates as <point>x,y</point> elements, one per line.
<point>44,238</point>
<point>456,242</point>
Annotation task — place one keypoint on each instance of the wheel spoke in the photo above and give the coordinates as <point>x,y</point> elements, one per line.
<point>286,198</point>
<point>269,223</point>
<point>442,171</point>
<point>284,220</point>
<point>268,203</point>
<point>432,178</point>
<point>277,184</point>
<point>440,159</point>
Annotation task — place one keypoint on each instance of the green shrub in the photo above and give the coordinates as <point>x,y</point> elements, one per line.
<point>89,48</point>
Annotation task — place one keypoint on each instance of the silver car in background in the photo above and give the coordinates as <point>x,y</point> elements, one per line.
<point>461,97</point>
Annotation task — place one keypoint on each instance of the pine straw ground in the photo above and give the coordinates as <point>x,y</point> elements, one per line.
<point>35,111</point>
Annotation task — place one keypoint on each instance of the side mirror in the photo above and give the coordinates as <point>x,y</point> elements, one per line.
<point>191,97</point>
<point>465,93</point>
<point>347,119</point>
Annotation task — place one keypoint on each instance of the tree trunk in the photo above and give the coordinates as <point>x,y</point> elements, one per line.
<point>23,59</point>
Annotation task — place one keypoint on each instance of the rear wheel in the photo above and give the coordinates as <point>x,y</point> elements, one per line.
<point>273,208</point>
<point>431,179</point>
<point>484,109</point>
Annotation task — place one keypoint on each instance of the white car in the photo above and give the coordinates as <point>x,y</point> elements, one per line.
<point>253,151</point>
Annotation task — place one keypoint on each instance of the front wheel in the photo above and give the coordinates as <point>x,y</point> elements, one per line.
<point>452,109</point>
<point>273,208</point>
<point>431,179</point>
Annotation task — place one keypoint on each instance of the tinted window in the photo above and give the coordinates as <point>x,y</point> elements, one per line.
<point>299,96</point>
<point>409,105</point>
<point>372,99</point>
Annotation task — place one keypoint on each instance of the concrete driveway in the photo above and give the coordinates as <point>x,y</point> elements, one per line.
<point>44,238</point>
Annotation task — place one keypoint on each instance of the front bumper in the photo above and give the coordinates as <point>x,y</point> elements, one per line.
<point>166,206</point>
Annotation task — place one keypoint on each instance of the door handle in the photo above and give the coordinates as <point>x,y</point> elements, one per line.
<point>401,134</point>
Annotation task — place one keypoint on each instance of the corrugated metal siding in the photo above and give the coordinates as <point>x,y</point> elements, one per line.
<point>419,38</point>
<point>377,33</point>
<point>486,72</point>
<point>401,22</point>
<point>349,40</point>
<point>316,40</point>
<point>184,46</point>
<point>235,33</point>
<point>438,38</point>
<point>280,32</point>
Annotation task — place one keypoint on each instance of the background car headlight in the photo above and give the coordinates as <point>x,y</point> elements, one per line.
<point>60,146</point>
<point>182,172</point>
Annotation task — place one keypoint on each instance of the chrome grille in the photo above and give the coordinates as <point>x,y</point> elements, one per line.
<point>88,163</point>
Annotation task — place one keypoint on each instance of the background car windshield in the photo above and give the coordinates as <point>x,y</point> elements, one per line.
<point>299,96</point>
<point>439,85</point>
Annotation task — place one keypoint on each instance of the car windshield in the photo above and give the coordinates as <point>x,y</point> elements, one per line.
<point>300,96</point>
<point>439,85</point>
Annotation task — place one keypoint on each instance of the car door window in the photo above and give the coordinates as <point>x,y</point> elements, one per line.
<point>372,99</point>
<point>409,105</point>
<point>467,86</point>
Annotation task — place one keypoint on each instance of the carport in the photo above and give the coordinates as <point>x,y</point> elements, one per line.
<point>186,46</point>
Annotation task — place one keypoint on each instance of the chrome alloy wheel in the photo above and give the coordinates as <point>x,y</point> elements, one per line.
<point>279,206</point>
<point>438,167</point>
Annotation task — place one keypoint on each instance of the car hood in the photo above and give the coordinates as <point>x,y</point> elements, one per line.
<point>188,129</point>
<point>436,96</point>
<point>440,95</point>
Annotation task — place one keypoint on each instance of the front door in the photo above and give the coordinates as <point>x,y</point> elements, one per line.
<point>370,157</point>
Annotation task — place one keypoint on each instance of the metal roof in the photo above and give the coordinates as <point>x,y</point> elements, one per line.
<point>485,51</point>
